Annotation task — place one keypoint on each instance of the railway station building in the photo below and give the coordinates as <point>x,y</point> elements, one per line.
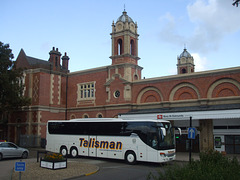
<point>212,97</point>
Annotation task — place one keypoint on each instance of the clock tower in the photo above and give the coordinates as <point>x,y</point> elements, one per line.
<point>124,40</point>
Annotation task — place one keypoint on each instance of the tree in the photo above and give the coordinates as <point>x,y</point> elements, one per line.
<point>236,2</point>
<point>11,88</point>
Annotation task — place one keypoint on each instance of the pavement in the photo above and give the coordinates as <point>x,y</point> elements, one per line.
<point>184,156</point>
<point>74,169</point>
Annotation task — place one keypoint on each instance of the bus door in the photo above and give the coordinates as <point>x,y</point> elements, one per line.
<point>140,145</point>
<point>152,154</point>
<point>142,153</point>
<point>152,149</point>
<point>92,151</point>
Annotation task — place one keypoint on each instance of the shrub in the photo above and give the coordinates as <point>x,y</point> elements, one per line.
<point>53,157</point>
<point>212,166</point>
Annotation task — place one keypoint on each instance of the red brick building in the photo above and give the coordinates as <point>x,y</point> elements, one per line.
<point>119,88</point>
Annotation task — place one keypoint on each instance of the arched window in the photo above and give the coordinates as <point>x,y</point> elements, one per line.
<point>132,47</point>
<point>73,116</point>
<point>120,51</point>
<point>85,115</point>
<point>184,71</point>
<point>99,115</point>
<point>135,77</point>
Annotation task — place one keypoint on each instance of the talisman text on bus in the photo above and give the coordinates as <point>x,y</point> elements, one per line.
<point>92,143</point>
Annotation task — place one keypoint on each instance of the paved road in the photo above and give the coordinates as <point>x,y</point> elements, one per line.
<point>119,170</point>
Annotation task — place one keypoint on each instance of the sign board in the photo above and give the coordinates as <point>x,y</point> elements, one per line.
<point>171,116</point>
<point>191,133</point>
<point>20,166</point>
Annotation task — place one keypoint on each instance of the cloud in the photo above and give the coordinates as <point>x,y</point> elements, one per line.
<point>210,22</point>
<point>168,33</point>
<point>200,62</point>
<point>214,15</point>
<point>213,20</point>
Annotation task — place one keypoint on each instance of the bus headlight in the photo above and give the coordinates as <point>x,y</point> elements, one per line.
<point>162,154</point>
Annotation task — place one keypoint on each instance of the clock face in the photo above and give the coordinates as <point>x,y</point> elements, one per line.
<point>116,93</point>
<point>119,27</point>
<point>132,27</point>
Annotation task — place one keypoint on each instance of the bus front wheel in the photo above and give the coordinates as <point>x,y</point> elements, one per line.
<point>130,157</point>
<point>63,150</point>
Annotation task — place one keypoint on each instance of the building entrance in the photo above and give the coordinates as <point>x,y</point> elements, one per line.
<point>182,143</point>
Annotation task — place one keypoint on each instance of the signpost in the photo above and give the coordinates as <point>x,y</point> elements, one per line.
<point>20,167</point>
<point>191,133</point>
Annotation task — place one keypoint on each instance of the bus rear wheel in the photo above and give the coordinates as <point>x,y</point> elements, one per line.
<point>74,152</point>
<point>130,157</point>
<point>63,150</point>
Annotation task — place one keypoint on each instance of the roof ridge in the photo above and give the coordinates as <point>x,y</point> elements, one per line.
<point>35,58</point>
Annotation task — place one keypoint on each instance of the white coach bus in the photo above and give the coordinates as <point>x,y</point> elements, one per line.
<point>132,140</point>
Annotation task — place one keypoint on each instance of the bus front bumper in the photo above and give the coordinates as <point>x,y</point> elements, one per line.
<point>165,157</point>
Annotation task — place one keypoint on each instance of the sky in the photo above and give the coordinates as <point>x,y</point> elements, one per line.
<point>209,29</point>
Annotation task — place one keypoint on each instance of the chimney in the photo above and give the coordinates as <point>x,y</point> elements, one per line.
<point>65,60</point>
<point>55,59</point>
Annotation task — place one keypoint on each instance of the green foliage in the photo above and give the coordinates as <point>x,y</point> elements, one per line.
<point>11,86</point>
<point>212,166</point>
<point>53,157</point>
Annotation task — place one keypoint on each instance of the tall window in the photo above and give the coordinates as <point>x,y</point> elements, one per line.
<point>86,91</point>
<point>120,46</point>
<point>56,61</point>
<point>132,47</point>
<point>21,81</point>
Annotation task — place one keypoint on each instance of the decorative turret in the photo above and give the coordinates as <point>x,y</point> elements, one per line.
<point>185,62</point>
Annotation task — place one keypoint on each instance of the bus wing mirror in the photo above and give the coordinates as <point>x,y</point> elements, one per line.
<point>164,131</point>
<point>180,131</point>
<point>134,135</point>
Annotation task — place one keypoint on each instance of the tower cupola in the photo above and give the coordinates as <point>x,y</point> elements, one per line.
<point>185,62</point>
<point>124,17</point>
